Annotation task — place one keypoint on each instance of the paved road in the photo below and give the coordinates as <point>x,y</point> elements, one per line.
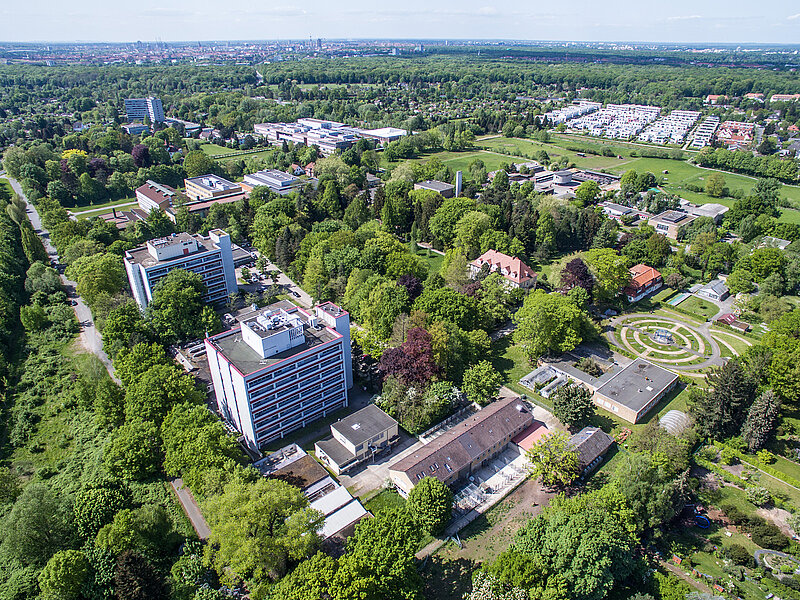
<point>90,336</point>
<point>191,508</point>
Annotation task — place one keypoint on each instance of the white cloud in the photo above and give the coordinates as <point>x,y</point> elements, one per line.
<point>487,11</point>
<point>793,17</point>
<point>685,18</point>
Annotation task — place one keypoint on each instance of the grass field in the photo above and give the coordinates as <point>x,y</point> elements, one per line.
<point>105,205</point>
<point>789,215</point>
<point>702,308</point>
<point>214,150</point>
<point>433,259</point>
<point>5,185</point>
<point>531,147</point>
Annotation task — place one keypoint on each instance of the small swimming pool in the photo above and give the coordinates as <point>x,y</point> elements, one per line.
<point>674,301</point>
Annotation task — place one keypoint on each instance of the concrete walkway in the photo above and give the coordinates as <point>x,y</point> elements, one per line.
<point>89,335</point>
<point>191,508</point>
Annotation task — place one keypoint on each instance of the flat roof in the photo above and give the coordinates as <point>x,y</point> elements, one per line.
<point>141,254</point>
<point>247,360</point>
<point>335,451</point>
<point>673,216</point>
<point>302,473</point>
<point>363,424</point>
<point>438,186</point>
<point>213,182</point>
<point>636,385</point>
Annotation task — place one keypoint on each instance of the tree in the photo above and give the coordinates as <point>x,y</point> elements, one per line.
<point>412,284</point>
<point>443,223</point>
<point>380,309</point>
<point>380,562</point>
<point>256,528</point>
<point>721,411</point>
<point>64,575</point>
<point>482,382</point>
<point>144,530</point>
<point>500,181</point>
<point>487,587</point>
<point>549,323</point>
<point>96,504</point>
<point>554,460</point>
<point>195,442</point>
<point>42,278</point>
<point>582,547</point>
<point>430,502</point>
<point>446,304</point>
<point>134,451</point>
<point>469,230</point>
<point>157,390</point>
<point>177,305</point>
<point>651,489</point>
<point>198,163</point>
<point>136,579</point>
<point>761,419</point>
<point>658,250</point>
<point>576,274</point>
<point>132,363</point>
<point>587,192</point>
<point>455,269</point>
<point>125,327</point>
<point>37,526</point>
<point>311,580</point>
<point>100,273</point>
<point>573,406</point>
<point>715,185</point>
<point>610,271</point>
<point>412,361</point>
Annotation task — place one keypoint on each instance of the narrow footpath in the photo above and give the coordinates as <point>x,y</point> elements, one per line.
<point>191,508</point>
<point>90,336</point>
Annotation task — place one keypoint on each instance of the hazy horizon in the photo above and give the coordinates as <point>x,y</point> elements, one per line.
<point>621,21</point>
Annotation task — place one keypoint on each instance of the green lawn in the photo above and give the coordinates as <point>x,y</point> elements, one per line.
<point>789,215</point>
<point>529,148</point>
<point>108,205</point>
<point>5,185</point>
<point>510,361</point>
<point>702,308</point>
<point>214,150</point>
<point>739,346</point>
<point>433,259</point>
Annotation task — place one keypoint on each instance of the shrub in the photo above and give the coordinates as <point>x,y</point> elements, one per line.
<point>766,457</point>
<point>733,513</point>
<point>740,555</point>
<point>728,455</point>
<point>768,535</point>
<point>758,496</point>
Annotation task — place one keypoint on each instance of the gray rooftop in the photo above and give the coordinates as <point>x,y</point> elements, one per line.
<point>247,360</point>
<point>336,452</point>
<point>213,182</point>
<point>141,254</point>
<point>637,384</point>
<point>363,424</point>
<point>717,286</point>
<point>591,442</point>
<point>437,186</point>
<point>672,216</point>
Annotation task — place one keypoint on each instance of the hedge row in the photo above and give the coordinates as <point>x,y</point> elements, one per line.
<point>753,460</point>
<point>729,477</point>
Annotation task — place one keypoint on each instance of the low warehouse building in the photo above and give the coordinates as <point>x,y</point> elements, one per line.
<point>634,390</point>
<point>465,447</point>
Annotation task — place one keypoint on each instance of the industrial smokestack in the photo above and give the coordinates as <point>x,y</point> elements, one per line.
<point>458,184</point>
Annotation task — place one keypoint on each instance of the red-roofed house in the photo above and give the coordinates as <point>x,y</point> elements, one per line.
<point>516,272</point>
<point>309,169</point>
<point>644,280</point>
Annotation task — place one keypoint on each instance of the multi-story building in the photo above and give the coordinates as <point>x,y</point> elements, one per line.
<point>139,109</point>
<point>152,195</point>
<point>669,222</point>
<point>516,273</point>
<point>281,369</point>
<point>211,187</point>
<point>277,181</point>
<point>644,280</point>
<point>210,256</point>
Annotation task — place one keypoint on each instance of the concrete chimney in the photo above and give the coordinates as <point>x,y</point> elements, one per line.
<point>458,184</point>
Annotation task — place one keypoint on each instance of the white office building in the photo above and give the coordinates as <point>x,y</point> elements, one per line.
<point>138,109</point>
<point>277,181</point>
<point>281,369</point>
<point>210,256</point>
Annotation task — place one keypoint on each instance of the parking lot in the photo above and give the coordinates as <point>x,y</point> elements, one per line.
<point>260,282</point>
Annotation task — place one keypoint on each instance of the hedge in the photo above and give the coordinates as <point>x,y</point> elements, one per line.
<point>729,477</point>
<point>760,465</point>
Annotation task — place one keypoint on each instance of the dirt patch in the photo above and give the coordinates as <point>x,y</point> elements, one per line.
<point>490,534</point>
<point>448,573</point>
<point>778,516</point>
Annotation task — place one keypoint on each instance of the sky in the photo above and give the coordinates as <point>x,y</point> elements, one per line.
<point>685,21</point>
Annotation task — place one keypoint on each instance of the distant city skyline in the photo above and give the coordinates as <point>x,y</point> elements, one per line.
<point>679,21</point>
